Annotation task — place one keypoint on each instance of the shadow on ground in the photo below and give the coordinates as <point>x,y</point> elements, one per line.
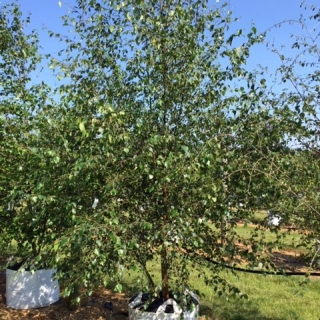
<point>237,310</point>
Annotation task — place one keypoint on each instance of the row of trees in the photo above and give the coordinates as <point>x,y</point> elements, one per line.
<point>157,133</point>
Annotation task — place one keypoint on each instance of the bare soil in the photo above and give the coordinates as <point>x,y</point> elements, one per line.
<point>290,261</point>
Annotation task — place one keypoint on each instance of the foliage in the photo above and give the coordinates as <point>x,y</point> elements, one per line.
<point>189,109</point>
<point>151,146</point>
<point>298,174</point>
<point>20,98</point>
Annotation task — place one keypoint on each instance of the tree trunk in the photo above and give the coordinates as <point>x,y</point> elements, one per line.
<point>73,301</point>
<point>164,253</point>
<point>165,274</point>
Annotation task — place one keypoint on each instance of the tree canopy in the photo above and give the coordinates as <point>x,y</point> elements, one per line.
<point>157,142</point>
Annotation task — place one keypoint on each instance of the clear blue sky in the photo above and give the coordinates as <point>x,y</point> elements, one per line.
<point>263,13</point>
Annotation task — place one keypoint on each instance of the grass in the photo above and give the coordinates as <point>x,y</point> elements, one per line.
<point>269,297</point>
<point>289,240</point>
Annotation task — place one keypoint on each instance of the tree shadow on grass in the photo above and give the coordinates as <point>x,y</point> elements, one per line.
<point>238,310</point>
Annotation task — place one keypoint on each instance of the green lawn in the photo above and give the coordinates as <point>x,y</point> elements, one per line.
<point>269,297</point>
<point>289,240</point>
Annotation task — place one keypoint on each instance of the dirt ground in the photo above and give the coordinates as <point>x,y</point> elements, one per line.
<point>93,308</point>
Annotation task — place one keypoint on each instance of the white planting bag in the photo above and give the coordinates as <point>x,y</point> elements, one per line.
<point>26,290</point>
<point>137,312</point>
<point>193,313</point>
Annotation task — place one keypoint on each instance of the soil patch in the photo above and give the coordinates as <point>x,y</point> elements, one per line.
<point>290,261</point>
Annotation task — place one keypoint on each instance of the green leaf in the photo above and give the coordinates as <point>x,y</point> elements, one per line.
<point>118,288</point>
<point>82,127</point>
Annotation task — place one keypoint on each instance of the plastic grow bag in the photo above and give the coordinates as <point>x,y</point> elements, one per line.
<point>27,290</point>
<point>273,219</point>
<point>192,312</point>
<point>141,309</point>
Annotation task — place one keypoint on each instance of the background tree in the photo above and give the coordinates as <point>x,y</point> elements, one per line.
<point>19,101</point>
<point>298,177</point>
<point>54,166</point>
